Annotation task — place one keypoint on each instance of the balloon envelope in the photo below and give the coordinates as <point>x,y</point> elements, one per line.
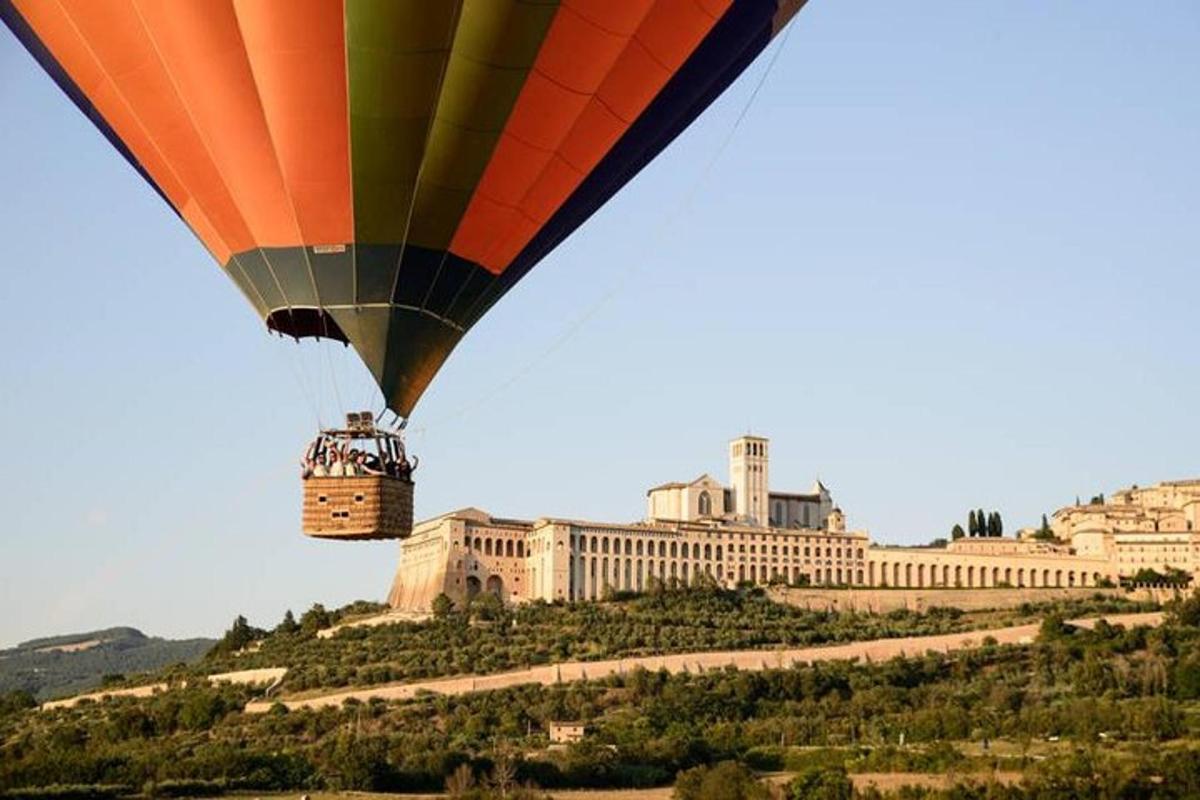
<point>381,172</point>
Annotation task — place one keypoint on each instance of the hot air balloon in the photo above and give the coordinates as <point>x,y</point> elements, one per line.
<point>381,172</point>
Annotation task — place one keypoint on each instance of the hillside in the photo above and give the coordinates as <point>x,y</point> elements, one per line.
<point>490,638</point>
<point>62,665</point>
<point>1071,707</point>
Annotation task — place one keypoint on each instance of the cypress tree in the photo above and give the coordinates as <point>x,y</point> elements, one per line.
<point>957,532</point>
<point>972,525</point>
<point>999,525</point>
<point>982,520</point>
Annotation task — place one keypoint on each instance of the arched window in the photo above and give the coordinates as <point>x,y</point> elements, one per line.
<point>705,505</point>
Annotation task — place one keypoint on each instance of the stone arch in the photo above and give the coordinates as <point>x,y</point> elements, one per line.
<point>628,547</point>
<point>896,574</point>
<point>508,548</point>
<point>495,586</point>
<point>474,587</point>
<point>958,575</point>
<point>971,576</point>
<point>487,547</point>
<point>478,545</point>
<point>908,574</point>
<point>1058,578</point>
<point>945,575</point>
<point>1021,577</point>
<point>705,504</point>
<point>921,575</point>
<point>995,576</point>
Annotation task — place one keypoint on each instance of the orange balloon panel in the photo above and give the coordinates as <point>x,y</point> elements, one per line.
<point>383,172</point>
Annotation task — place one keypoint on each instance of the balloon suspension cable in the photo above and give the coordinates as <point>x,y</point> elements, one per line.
<point>337,395</point>
<point>653,242</point>
<point>297,376</point>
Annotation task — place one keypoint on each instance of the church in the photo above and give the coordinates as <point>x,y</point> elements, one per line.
<point>745,532</point>
<point>735,533</point>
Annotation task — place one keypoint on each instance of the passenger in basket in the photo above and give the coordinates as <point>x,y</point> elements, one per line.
<point>368,464</point>
<point>336,467</point>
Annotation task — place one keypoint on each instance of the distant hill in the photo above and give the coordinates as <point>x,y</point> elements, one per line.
<point>56,666</point>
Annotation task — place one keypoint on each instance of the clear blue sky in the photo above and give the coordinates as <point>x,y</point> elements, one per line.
<point>949,259</point>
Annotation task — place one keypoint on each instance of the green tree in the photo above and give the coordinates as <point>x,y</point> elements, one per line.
<point>728,780</point>
<point>487,606</point>
<point>1044,533</point>
<point>1185,612</point>
<point>821,783</point>
<point>442,606</point>
<point>288,624</point>
<point>315,619</point>
<point>239,635</point>
<point>972,524</point>
<point>956,532</point>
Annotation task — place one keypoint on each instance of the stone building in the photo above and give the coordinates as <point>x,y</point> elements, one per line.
<point>729,534</point>
<point>1156,527</point>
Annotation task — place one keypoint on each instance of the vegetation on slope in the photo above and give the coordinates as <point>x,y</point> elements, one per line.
<point>488,637</point>
<point>1112,686</point>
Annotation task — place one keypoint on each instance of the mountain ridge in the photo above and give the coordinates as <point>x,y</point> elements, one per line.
<point>55,666</point>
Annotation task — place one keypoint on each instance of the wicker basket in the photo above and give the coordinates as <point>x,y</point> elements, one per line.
<point>368,507</point>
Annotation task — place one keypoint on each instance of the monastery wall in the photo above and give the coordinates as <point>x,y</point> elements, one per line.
<point>881,601</point>
<point>920,567</point>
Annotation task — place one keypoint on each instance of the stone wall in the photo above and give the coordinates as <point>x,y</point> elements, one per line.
<point>882,601</point>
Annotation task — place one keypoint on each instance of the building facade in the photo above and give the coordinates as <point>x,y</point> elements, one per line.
<point>743,532</point>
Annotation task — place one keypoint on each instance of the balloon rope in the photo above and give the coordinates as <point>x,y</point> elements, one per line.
<point>304,389</point>
<point>653,242</point>
<point>337,395</point>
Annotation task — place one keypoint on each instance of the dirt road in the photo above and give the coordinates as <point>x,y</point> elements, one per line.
<point>268,675</point>
<point>872,650</point>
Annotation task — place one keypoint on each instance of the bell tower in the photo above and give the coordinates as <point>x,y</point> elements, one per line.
<point>748,477</point>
